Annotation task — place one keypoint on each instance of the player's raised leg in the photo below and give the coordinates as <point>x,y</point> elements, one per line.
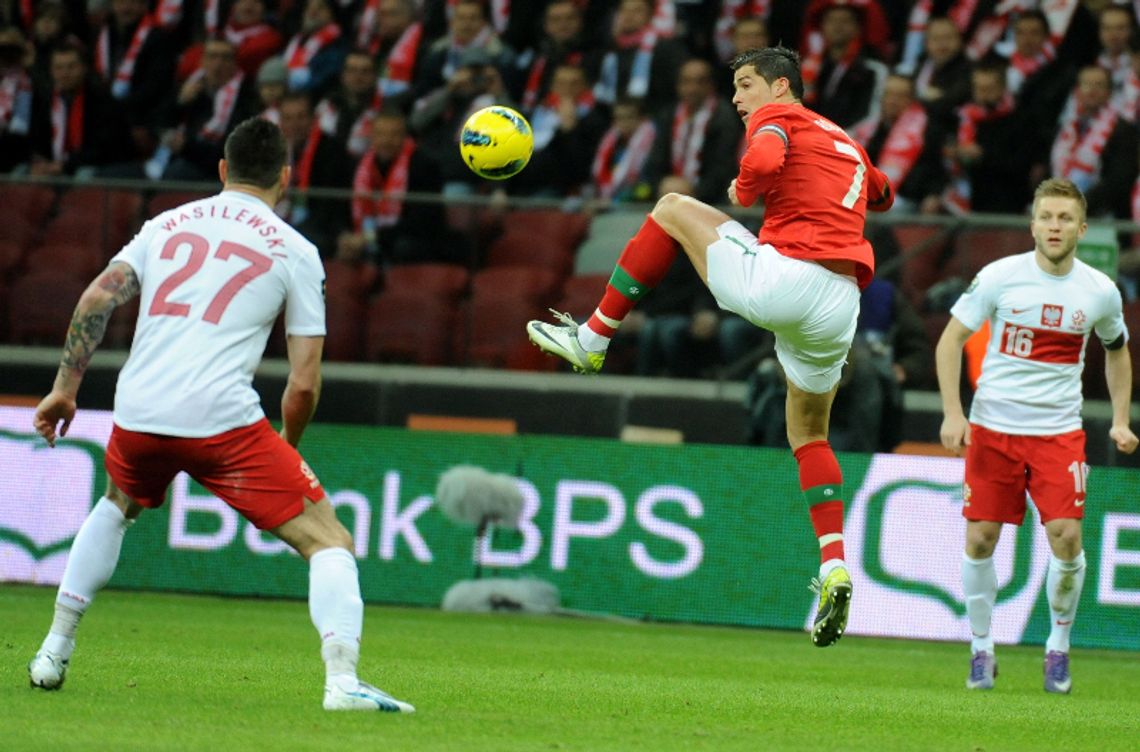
<point>90,563</point>
<point>641,267</point>
<point>1063,584</point>
<point>336,607</point>
<point>821,481</point>
<point>979,584</point>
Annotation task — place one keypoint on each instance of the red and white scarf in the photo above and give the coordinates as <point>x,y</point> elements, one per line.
<point>383,210</point>
<point>1078,158</point>
<point>66,126</point>
<point>689,132</point>
<point>956,198</point>
<point>732,11</point>
<point>644,40</point>
<point>272,114</point>
<point>396,75</point>
<point>1127,100</point>
<point>1059,14</point>
<point>300,51</point>
<point>1022,68</point>
<point>534,78</point>
<point>225,99</point>
<point>812,64</point>
<point>914,44</point>
<point>544,120</point>
<point>360,134</point>
<point>121,81</point>
<point>903,144</point>
<point>614,174</point>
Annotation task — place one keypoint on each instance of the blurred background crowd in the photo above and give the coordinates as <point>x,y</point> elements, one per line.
<point>965,104</point>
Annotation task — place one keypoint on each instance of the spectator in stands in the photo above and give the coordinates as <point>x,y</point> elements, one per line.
<point>567,124</point>
<point>988,162</point>
<point>561,43</point>
<point>618,169</point>
<point>207,107</point>
<point>749,33</point>
<point>55,25</point>
<point>1096,148</point>
<point>133,57</point>
<point>704,133</point>
<point>846,84</point>
<point>943,79</point>
<point>272,80</point>
<point>318,161</point>
<point>438,117</point>
<point>315,54</point>
<point>256,39</point>
<point>1115,30</point>
<point>386,228</point>
<point>395,39</point>
<point>1040,81</point>
<point>729,38</point>
<point>906,144</point>
<point>469,32</point>
<point>16,94</point>
<point>639,62</point>
<point>75,123</point>
<point>346,114</point>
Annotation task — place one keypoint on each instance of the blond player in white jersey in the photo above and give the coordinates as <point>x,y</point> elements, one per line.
<point>212,276</point>
<point>1024,432</point>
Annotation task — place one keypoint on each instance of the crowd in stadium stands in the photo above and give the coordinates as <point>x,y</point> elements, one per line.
<point>965,104</point>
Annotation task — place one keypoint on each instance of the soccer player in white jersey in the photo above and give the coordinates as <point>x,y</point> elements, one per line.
<point>1024,432</point>
<point>212,276</point>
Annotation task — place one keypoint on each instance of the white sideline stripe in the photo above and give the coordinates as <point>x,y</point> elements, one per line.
<point>826,540</point>
<point>611,323</point>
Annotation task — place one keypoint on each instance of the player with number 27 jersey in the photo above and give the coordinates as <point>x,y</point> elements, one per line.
<point>1039,326</point>
<point>214,274</point>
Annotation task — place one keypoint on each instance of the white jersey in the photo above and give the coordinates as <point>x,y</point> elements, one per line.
<point>213,274</point>
<point>1039,324</point>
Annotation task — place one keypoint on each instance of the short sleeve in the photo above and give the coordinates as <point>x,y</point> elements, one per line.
<point>134,252</point>
<point>977,304</point>
<point>305,304</point>
<point>1111,325</point>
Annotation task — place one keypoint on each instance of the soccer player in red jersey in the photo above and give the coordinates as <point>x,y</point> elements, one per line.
<point>211,277</point>
<point>800,279</point>
<point>1024,432</point>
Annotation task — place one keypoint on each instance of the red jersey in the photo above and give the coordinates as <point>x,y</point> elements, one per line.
<point>817,184</point>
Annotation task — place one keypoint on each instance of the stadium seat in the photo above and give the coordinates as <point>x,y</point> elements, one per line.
<point>533,284</point>
<point>25,204</point>
<point>350,278</point>
<point>40,305</point>
<point>581,295</point>
<point>409,328</point>
<point>11,256</point>
<point>111,216</point>
<point>497,329</point>
<point>344,324</point>
<point>447,281</point>
<point>164,200</point>
<point>607,237</point>
<point>973,249</point>
<point>565,230</point>
<point>517,247</point>
<point>923,250</point>
<point>77,259</point>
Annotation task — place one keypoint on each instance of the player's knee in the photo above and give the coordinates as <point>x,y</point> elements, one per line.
<point>665,211</point>
<point>1065,540</point>
<point>980,543</point>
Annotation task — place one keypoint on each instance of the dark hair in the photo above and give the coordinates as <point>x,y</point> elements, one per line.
<point>1035,15</point>
<point>255,153</point>
<point>772,63</point>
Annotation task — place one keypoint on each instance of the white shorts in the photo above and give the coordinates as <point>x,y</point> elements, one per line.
<point>811,309</point>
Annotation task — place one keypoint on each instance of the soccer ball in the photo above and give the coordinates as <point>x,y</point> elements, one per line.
<point>496,142</point>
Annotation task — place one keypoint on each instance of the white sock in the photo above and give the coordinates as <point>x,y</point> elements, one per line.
<point>337,611</point>
<point>90,564</point>
<point>1063,585</point>
<point>979,582</point>
<point>591,340</point>
<point>826,567</point>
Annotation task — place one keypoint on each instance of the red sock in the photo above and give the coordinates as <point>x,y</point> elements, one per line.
<point>822,483</point>
<point>641,267</point>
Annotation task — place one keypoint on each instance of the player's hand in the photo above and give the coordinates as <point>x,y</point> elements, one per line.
<point>955,433</point>
<point>52,409</point>
<point>1125,440</point>
<point>732,199</point>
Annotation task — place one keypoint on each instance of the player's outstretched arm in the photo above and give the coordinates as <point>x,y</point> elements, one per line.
<point>955,431</point>
<point>303,391</point>
<point>115,286</point>
<point>1118,372</point>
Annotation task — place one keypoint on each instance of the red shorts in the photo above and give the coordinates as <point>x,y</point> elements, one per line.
<point>251,468</point>
<point>1001,468</point>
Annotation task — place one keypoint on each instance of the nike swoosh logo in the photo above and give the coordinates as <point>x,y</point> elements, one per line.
<point>1020,310</point>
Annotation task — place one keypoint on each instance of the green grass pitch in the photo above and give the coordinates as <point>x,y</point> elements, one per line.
<point>171,672</point>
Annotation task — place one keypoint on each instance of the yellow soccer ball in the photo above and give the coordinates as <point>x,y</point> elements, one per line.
<point>496,142</point>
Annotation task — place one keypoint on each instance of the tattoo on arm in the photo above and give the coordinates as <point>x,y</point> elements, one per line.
<point>115,286</point>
